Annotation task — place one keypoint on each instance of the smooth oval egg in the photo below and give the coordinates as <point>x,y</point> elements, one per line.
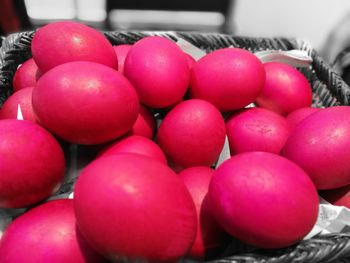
<point>159,71</point>
<point>47,233</point>
<point>263,199</point>
<point>257,129</point>
<point>151,215</point>
<point>32,163</point>
<point>229,78</point>
<point>85,102</point>
<point>66,41</point>
<point>320,144</point>
<point>285,90</point>
<point>192,134</point>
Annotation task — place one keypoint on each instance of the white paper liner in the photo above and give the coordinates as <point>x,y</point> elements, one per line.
<point>294,58</point>
<point>331,219</point>
<point>225,153</point>
<point>190,49</point>
<point>19,113</point>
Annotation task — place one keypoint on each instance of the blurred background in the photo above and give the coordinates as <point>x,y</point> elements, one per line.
<point>324,24</point>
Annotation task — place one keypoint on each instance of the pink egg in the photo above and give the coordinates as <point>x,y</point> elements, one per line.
<point>257,129</point>
<point>158,69</point>
<point>151,215</point>
<point>26,75</point>
<point>85,102</point>
<point>121,51</point>
<point>263,199</point>
<point>229,78</point>
<point>209,235</point>
<point>295,117</point>
<point>23,99</point>
<point>321,146</point>
<point>145,124</point>
<point>46,233</point>
<point>192,134</point>
<point>136,144</point>
<point>32,164</point>
<point>65,41</point>
<point>285,90</point>
<point>338,196</point>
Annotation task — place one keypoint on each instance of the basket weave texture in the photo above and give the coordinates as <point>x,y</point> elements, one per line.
<point>328,90</point>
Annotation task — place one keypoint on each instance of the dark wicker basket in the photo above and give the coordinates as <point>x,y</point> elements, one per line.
<point>328,88</point>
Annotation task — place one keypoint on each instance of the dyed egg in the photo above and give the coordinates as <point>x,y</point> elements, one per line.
<point>66,41</point>
<point>192,134</point>
<point>320,144</point>
<point>47,233</point>
<point>151,215</point>
<point>85,102</point>
<point>32,164</point>
<point>250,196</point>
<point>158,69</point>
<point>257,129</point>
<point>285,89</point>
<point>229,78</point>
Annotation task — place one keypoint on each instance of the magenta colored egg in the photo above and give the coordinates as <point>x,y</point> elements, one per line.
<point>229,78</point>
<point>285,90</point>
<point>85,102</point>
<point>136,144</point>
<point>65,41</point>
<point>151,215</point>
<point>263,199</point>
<point>145,124</point>
<point>158,69</point>
<point>47,233</point>
<point>320,144</point>
<point>26,75</point>
<point>209,235</point>
<point>192,134</point>
<point>22,98</point>
<point>257,129</point>
<point>295,117</point>
<point>121,51</point>
<point>32,164</point>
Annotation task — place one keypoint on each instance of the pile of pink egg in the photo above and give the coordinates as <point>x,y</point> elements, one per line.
<point>153,191</point>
